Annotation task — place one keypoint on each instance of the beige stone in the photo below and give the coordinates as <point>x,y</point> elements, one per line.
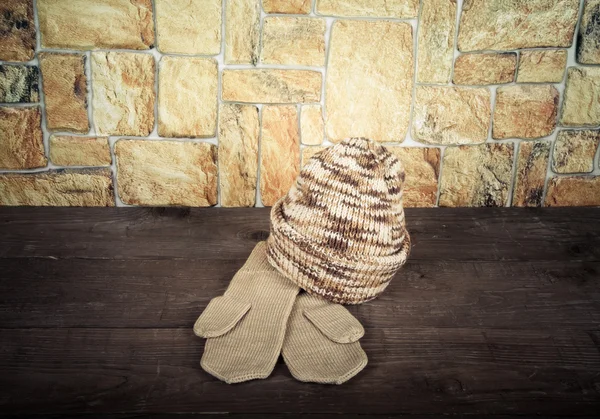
<point>297,7</point>
<point>311,124</point>
<point>68,150</point>
<point>19,84</point>
<point>532,165</point>
<point>437,26</point>
<point>476,176</point>
<point>369,81</point>
<point>480,69</point>
<point>573,191</point>
<point>166,173</point>
<point>451,115</point>
<point>239,130</point>
<point>280,152</point>
<point>84,24</point>
<point>574,151</point>
<point>309,152</point>
<point>65,91</point>
<point>187,97</point>
<point>588,47</point>
<point>542,66</point>
<point>581,103</point>
<point>373,8</point>
<point>188,26</point>
<point>62,188</point>
<point>422,169</point>
<point>17,30</point>
<point>123,93</point>
<point>21,138</point>
<point>525,111</point>
<point>271,86</point>
<point>514,24</point>
<point>293,41</point>
<point>242,31</point>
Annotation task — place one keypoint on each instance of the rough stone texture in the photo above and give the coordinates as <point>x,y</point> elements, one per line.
<point>187,97</point>
<point>239,130</point>
<point>63,188</point>
<point>525,111</point>
<point>532,166</point>
<point>574,151</point>
<point>514,24</point>
<point>581,103</point>
<point>280,152</point>
<point>451,115</point>
<point>308,152</point>
<point>481,69</point>
<point>374,8</point>
<point>573,191</point>
<point>297,7</point>
<point>271,86</point>
<point>422,168</point>
<point>242,31</point>
<point>123,93</point>
<point>21,138</point>
<point>19,84</point>
<point>293,41</point>
<point>79,151</point>
<point>189,26</point>
<point>84,24</point>
<point>17,30</point>
<point>311,124</point>
<point>476,176</point>
<point>588,39</point>
<point>65,91</point>
<point>166,173</point>
<point>437,26</point>
<point>542,66</point>
<point>369,80</point>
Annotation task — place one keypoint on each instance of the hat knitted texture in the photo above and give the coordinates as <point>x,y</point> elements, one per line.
<point>340,231</point>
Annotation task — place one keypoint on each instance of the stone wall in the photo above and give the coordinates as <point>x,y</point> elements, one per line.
<point>218,102</point>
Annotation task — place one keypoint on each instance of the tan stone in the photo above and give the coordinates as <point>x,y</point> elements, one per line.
<point>369,80</point>
<point>542,66</point>
<point>422,169</point>
<point>581,103</point>
<point>309,152</point>
<point>293,41</point>
<point>123,93</point>
<point>437,26</point>
<point>513,24</point>
<point>188,26</point>
<point>68,150</point>
<point>476,176</point>
<point>480,69</point>
<point>297,7</point>
<point>271,86</point>
<point>239,130</point>
<point>532,166</point>
<point>311,124</point>
<point>166,173</point>
<point>280,152</point>
<point>451,115</point>
<point>573,191</point>
<point>525,111</point>
<point>242,31</point>
<point>187,97</point>
<point>17,30</point>
<point>588,47</point>
<point>65,91</point>
<point>574,151</point>
<point>62,188</point>
<point>19,84</point>
<point>21,138</point>
<point>374,8</point>
<point>84,24</point>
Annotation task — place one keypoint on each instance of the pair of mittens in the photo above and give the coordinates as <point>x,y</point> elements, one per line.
<point>260,315</point>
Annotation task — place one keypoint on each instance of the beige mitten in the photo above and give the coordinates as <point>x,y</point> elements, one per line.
<point>246,326</point>
<point>321,342</point>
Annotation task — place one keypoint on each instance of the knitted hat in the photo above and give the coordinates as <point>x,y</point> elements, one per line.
<point>340,231</point>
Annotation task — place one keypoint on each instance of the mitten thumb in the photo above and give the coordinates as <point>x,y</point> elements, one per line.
<point>335,322</point>
<point>220,316</point>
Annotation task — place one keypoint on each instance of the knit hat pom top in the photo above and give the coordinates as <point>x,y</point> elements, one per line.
<point>340,231</point>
